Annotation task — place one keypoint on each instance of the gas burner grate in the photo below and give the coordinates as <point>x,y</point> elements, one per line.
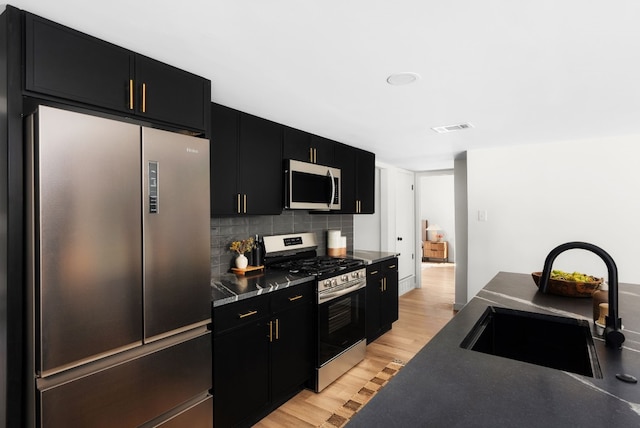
<point>319,265</point>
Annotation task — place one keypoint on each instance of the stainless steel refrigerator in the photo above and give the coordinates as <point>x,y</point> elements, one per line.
<point>119,274</point>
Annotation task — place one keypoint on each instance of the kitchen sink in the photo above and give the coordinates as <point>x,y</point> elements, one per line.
<point>546,340</point>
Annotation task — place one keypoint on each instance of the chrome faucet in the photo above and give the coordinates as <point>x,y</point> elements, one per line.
<point>613,336</point>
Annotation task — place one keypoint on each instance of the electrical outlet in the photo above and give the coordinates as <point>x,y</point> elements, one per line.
<point>482,215</point>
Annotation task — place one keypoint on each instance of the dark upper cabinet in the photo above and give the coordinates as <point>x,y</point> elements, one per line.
<point>357,168</point>
<point>365,181</point>
<point>246,164</point>
<point>346,161</point>
<point>225,123</point>
<point>65,63</point>
<point>306,147</point>
<point>169,94</point>
<point>68,64</point>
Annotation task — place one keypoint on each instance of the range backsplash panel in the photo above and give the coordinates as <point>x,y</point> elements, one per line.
<point>224,230</point>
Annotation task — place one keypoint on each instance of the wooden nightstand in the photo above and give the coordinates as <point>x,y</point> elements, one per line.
<point>435,251</point>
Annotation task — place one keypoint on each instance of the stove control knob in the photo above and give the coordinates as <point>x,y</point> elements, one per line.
<point>327,283</point>
<point>345,278</point>
<point>334,282</point>
<point>355,274</point>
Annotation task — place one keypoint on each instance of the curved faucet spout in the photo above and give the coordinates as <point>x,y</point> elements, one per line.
<point>613,336</point>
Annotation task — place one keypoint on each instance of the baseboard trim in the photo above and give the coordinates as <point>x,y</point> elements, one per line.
<point>406,284</point>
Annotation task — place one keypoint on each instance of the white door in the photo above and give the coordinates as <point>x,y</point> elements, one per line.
<point>405,223</point>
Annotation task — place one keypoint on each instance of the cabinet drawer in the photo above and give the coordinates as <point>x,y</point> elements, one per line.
<point>374,269</point>
<point>241,313</point>
<point>293,296</point>
<point>435,246</point>
<point>391,265</point>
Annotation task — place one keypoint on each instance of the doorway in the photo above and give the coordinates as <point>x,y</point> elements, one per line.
<point>436,223</point>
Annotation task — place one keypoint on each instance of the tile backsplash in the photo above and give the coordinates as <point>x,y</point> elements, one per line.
<point>224,230</point>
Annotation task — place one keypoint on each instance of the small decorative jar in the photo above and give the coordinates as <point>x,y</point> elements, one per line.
<point>241,261</point>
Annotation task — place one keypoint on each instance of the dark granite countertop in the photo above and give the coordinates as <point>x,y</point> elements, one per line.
<point>229,287</point>
<point>372,256</point>
<point>446,385</point>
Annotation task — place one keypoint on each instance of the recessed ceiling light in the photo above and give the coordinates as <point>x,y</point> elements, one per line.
<point>403,78</point>
<point>451,128</point>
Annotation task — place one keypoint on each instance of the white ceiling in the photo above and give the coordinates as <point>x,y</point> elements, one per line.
<point>520,72</point>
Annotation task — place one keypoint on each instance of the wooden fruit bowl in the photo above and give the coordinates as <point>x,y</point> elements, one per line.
<point>562,287</point>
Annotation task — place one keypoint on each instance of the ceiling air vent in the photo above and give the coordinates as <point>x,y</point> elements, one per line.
<point>451,128</point>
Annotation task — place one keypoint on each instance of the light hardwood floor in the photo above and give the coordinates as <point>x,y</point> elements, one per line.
<point>422,313</point>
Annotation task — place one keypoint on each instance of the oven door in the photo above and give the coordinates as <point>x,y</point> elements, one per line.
<point>341,323</point>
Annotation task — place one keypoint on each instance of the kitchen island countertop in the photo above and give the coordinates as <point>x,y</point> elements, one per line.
<point>446,385</point>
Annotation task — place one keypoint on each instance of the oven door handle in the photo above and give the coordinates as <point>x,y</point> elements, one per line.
<point>325,297</point>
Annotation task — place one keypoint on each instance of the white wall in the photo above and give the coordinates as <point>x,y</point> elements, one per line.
<point>462,231</point>
<point>436,198</point>
<point>539,196</point>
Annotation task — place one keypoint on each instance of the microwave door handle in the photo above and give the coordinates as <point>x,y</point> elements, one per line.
<point>333,188</point>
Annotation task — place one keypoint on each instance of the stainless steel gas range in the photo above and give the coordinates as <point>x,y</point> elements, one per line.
<point>340,287</point>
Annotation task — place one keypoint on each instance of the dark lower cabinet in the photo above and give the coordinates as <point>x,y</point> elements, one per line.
<point>292,348</point>
<point>64,63</point>
<point>241,374</point>
<point>382,298</point>
<point>262,353</point>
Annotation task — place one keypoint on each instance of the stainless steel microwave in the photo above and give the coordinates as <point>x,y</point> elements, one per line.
<point>309,186</point>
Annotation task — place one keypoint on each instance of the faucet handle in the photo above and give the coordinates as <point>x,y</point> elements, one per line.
<point>613,338</point>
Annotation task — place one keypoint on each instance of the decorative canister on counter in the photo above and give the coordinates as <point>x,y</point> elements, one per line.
<point>336,243</point>
<point>601,295</point>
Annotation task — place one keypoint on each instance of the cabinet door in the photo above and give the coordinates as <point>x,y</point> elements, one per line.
<point>346,161</point>
<point>365,181</point>
<point>292,346</point>
<point>224,160</point>
<point>324,150</point>
<point>240,374</point>
<point>261,171</point>
<point>306,147</point>
<point>68,64</point>
<point>297,145</point>
<point>171,95</point>
<point>389,309</point>
<point>292,350</point>
<point>374,296</point>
